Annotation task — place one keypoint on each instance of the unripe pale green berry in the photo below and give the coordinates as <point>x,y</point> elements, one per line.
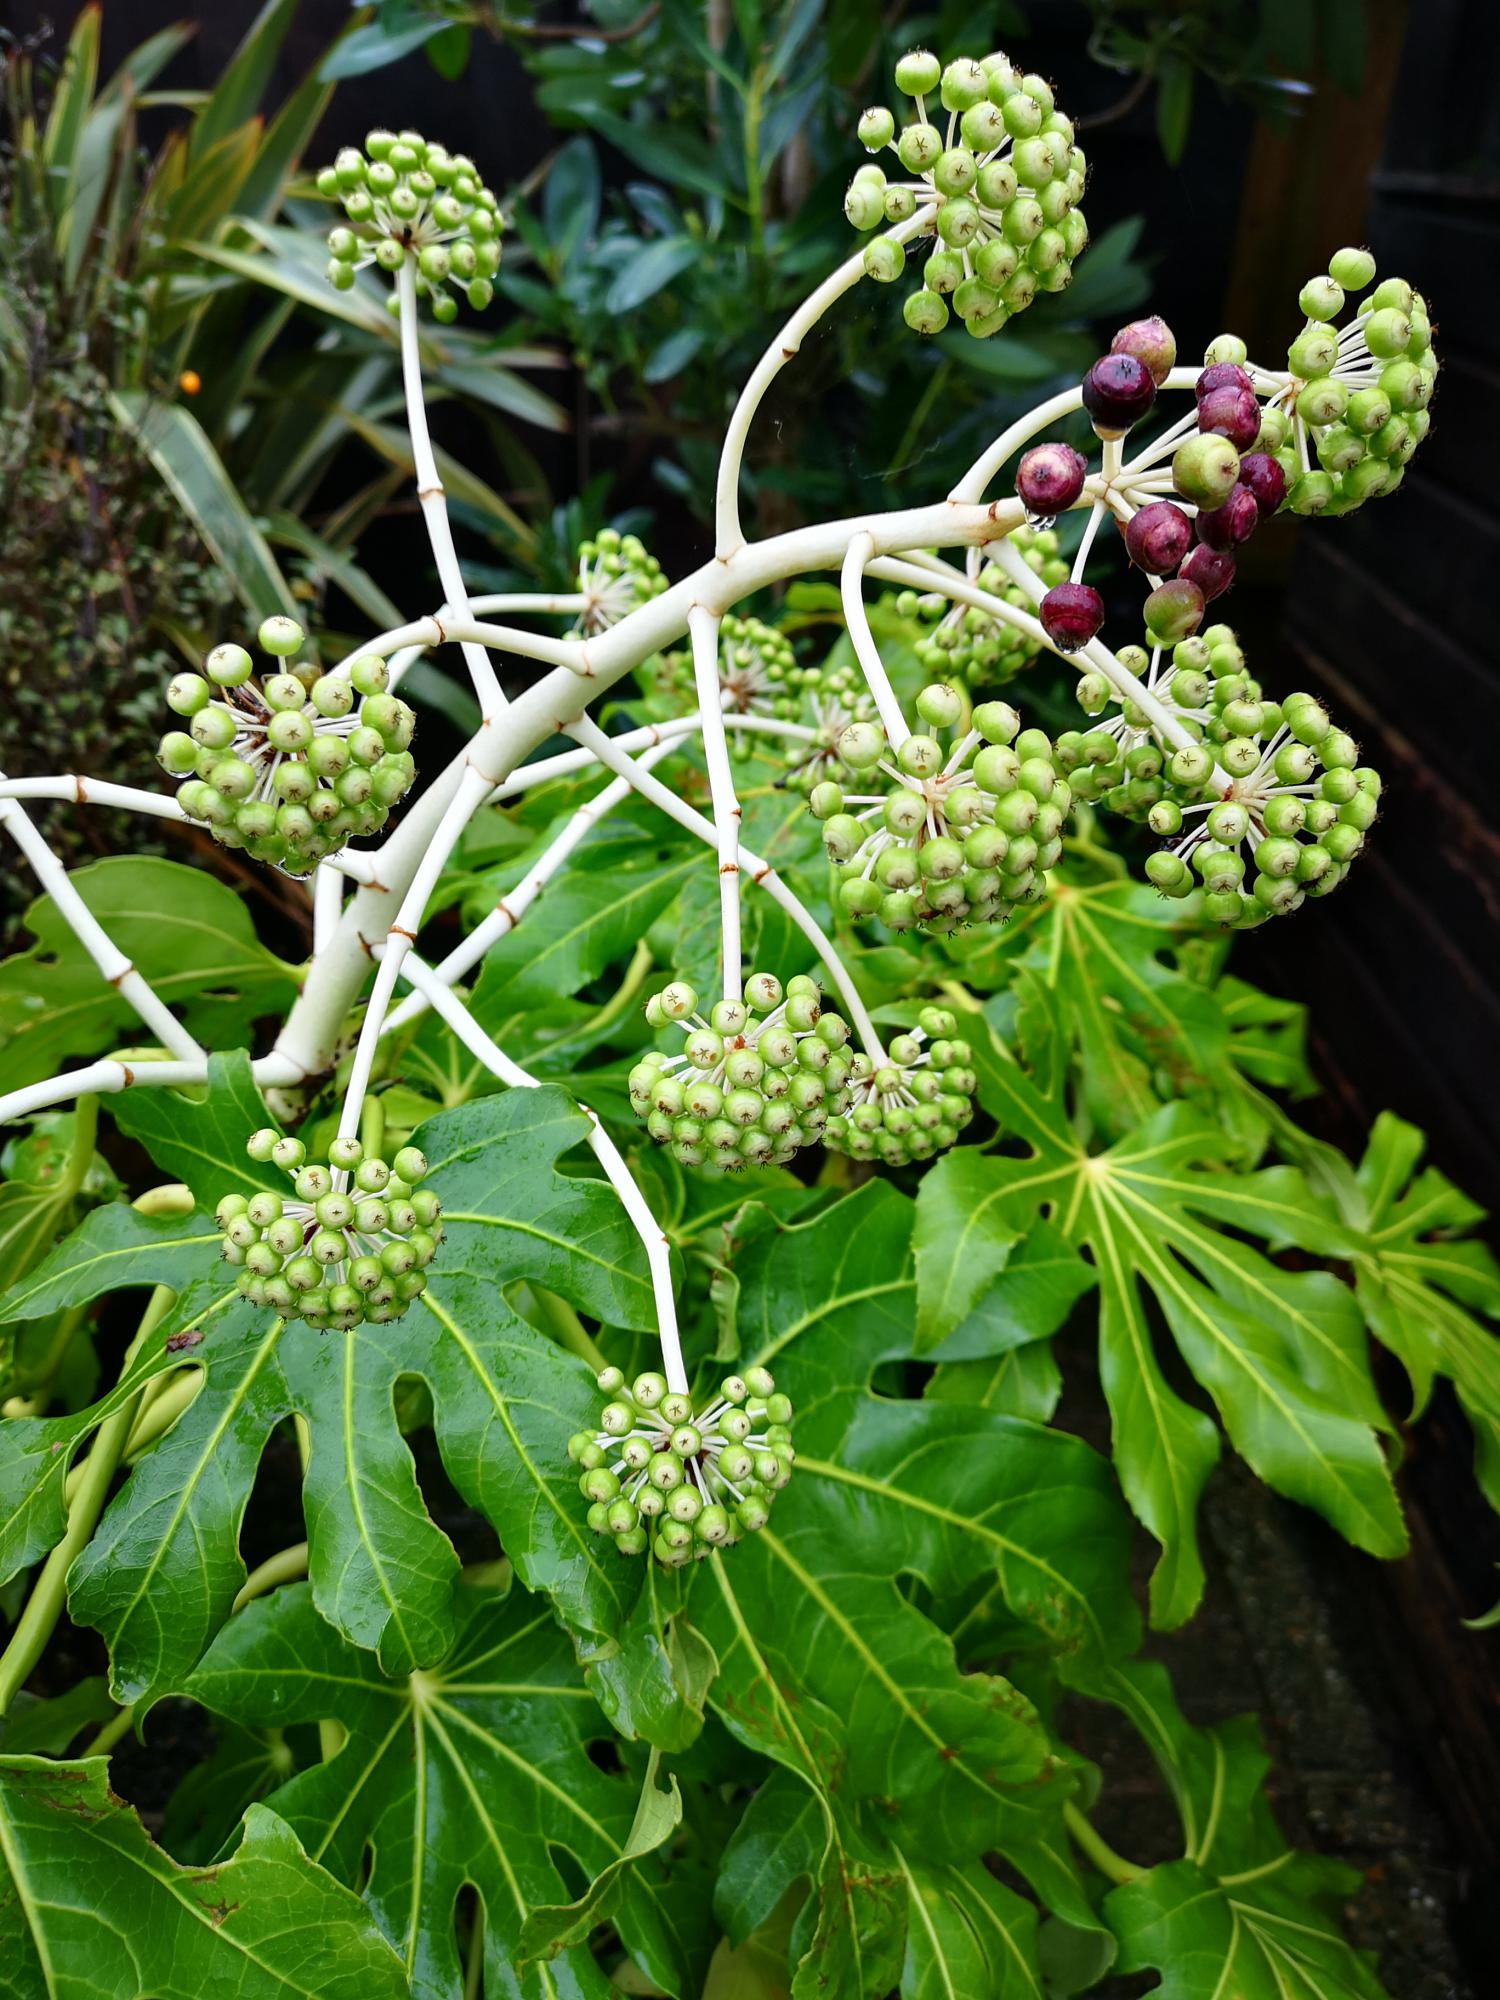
<point>918,72</point>
<point>1351,268</point>
<point>876,128</point>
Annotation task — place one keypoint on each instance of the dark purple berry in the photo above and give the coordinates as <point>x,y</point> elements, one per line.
<point>1117,392</point>
<point>1050,478</point>
<point>1211,569</point>
<point>1232,413</point>
<point>1158,537</point>
<point>1235,522</point>
<point>1071,614</point>
<point>1264,478</point>
<point>1221,375</point>
<point>1149,340</point>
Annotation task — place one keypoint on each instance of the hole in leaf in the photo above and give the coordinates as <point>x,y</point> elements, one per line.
<point>606,1756</point>
<point>575,1877</point>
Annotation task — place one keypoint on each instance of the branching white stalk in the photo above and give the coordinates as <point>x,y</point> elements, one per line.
<point>421,635</point>
<point>93,792</point>
<point>852,590</point>
<point>426,981</point>
<point>703,631</point>
<point>328,904</point>
<point>728,536</point>
<point>944,581</point>
<point>469,795</point>
<point>514,904</point>
<point>675,729</point>
<point>760,872</point>
<point>114,1074</point>
<point>430,495</point>
<point>114,967</point>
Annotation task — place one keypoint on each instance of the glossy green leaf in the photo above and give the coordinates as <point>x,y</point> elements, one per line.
<point>1267,1936</point>
<point>1279,1351</point>
<point>1142,1032</point>
<point>826,1666</point>
<point>188,934</point>
<point>90,1895</point>
<point>1426,1285</point>
<point>162,1570</point>
<point>474,1771</point>
<point>199,1138</point>
<point>966,1933</point>
<point>548,1932</point>
<point>112,1247</point>
<point>36,1452</point>
<point>244,79</point>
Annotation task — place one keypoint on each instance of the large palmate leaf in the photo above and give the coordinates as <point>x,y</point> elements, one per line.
<point>188,934</point>
<point>476,1771</point>
<point>625,875</point>
<point>1269,1935</point>
<point>93,1906</point>
<point>826,1664</point>
<point>1142,1032</point>
<point>1241,1912</point>
<point>112,1247</point>
<point>1425,1284</point>
<point>1280,1353</point>
<point>161,1572</point>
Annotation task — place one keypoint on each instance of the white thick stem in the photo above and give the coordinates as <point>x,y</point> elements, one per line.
<point>426,981</point>
<point>728,538</point>
<point>514,904</point>
<point>328,904</point>
<point>430,495</point>
<point>469,795</point>
<point>83,791</point>
<point>703,630</point>
<point>675,730</point>
<point>760,872</point>
<point>115,1074</point>
<point>852,590</point>
<point>114,967</point>
<point>943,581</point>
<point>552,703</point>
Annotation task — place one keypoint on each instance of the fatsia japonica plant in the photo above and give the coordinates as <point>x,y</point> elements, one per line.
<point>615,1312</point>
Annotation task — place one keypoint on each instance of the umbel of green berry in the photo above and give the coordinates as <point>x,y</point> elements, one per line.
<point>995,161</point>
<point>959,642</point>
<point>758,671</point>
<point>290,766</point>
<point>1120,762</point>
<point>913,1104</point>
<point>1345,419</point>
<point>1296,806</point>
<point>406,197</point>
<point>616,574</point>
<point>657,1474</point>
<point>969,820</point>
<point>754,1079</point>
<point>832,696</point>
<point>351,1243</point>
